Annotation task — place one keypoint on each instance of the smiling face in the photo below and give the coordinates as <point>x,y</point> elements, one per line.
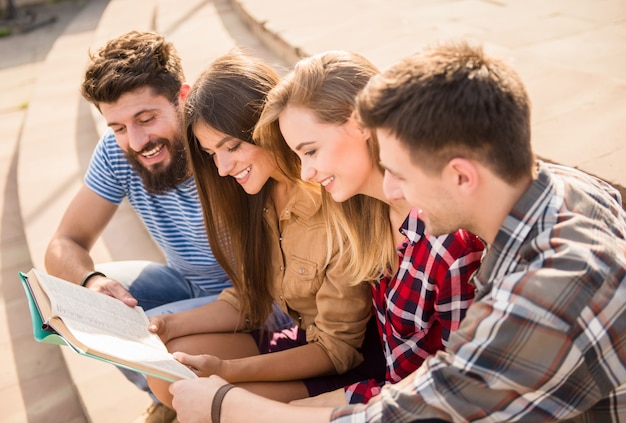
<point>249,164</point>
<point>425,191</point>
<point>335,156</point>
<point>147,129</point>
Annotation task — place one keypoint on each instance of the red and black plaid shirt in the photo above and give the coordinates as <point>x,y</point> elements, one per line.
<point>426,300</point>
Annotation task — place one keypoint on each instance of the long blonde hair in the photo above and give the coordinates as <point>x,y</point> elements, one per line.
<point>327,85</point>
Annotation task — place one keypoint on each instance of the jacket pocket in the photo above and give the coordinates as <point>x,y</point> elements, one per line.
<point>303,278</point>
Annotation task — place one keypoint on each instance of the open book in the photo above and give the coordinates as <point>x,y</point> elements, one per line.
<point>97,326</point>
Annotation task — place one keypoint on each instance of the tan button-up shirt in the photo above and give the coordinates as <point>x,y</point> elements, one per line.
<point>315,294</point>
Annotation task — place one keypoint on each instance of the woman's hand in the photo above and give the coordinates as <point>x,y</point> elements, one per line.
<point>158,325</point>
<point>203,365</point>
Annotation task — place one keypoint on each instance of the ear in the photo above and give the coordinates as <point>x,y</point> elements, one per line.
<point>184,90</point>
<point>463,175</point>
<point>366,132</point>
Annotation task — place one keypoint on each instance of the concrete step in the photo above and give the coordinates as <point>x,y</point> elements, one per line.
<point>50,170</point>
<point>57,139</point>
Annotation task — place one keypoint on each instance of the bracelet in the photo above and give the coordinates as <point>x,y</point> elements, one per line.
<point>91,275</point>
<point>218,398</point>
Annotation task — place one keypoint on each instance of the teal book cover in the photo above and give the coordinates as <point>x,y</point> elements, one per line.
<point>83,326</point>
<point>41,335</point>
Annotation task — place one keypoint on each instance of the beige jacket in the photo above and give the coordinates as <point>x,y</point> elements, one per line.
<point>317,296</point>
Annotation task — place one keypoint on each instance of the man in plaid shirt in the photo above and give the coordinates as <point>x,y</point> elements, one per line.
<point>544,339</point>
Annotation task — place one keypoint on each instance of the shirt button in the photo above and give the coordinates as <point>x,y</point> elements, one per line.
<point>301,271</point>
<point>281,297</point>
<point>282,268</point>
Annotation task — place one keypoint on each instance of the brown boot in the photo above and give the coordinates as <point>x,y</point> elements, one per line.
<point>157,413</point>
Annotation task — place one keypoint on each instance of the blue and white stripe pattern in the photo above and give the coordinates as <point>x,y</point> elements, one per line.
<point>174,219</point>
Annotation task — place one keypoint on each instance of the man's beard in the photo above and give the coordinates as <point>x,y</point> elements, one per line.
<point>159,178</point>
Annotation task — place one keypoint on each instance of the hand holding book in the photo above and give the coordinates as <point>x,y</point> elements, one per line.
<point>97,326</point>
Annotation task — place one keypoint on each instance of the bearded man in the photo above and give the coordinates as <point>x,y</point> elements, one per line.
<point>137,83</point>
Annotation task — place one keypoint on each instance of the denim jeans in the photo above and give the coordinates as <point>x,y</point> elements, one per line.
<point>160,289</point>
<point>155,284</point>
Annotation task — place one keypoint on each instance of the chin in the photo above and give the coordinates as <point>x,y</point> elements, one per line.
<point>159,166</point>
<point>437,230</point>
<point>339,197</point>
<point>252,190</point>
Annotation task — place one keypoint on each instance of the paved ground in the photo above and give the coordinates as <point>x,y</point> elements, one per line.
<point>36,384</point>
<point>25,396</point>
<point>571,54</point>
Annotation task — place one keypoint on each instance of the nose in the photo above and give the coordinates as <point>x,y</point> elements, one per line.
<point>391,187</point>
<point>137,138</point>
<point>307,172</point>
<point>223,163</point>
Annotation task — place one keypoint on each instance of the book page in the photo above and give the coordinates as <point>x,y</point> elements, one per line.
<point>91,311</point>
<point>106,326</point>
<point>125,351</point>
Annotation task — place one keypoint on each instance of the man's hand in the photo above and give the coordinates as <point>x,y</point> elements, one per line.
<point>112,288</point>
<point>193,397</point>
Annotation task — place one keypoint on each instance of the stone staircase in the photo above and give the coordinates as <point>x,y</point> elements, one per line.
<point>58,136</point>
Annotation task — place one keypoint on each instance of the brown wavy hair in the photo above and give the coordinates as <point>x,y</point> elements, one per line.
<point>133,61</point>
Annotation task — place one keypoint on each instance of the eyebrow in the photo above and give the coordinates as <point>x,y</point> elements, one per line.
<point>218,145</point>
<point>302,145</point>
<point>140,112</point>
<point>385,168</point>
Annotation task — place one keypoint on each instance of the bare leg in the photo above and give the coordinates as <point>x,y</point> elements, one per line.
<point>223,345</point>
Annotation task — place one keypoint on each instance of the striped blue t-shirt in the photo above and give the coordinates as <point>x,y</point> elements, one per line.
<point>174,219</point>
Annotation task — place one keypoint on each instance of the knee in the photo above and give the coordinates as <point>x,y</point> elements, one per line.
<point>181,344</point>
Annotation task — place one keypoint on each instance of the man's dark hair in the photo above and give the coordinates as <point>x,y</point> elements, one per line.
<point>133,61</point>
<point>451,100</point>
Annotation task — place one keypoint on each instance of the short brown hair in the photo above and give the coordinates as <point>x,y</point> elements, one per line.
<point>451,100</point>
<point>132,61</point>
